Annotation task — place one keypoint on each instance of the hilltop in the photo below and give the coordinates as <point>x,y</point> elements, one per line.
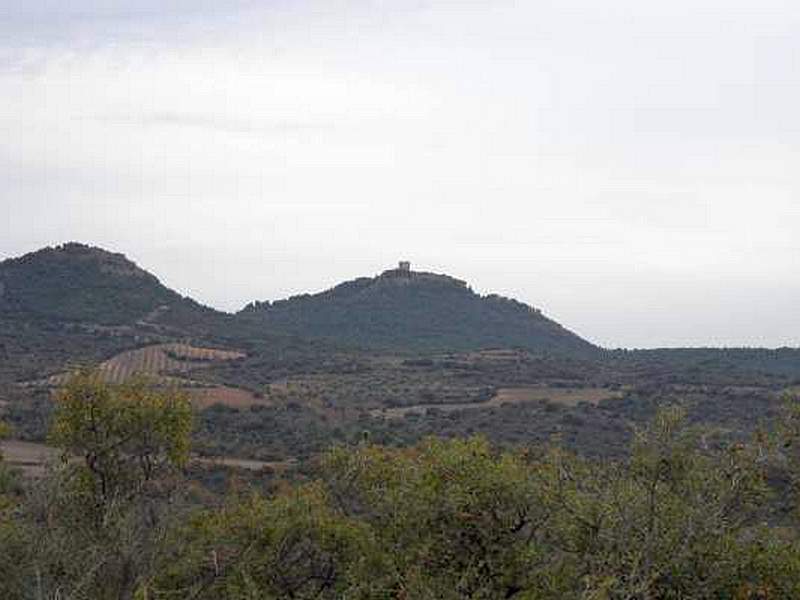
<point>401,355</point>
<point>79,283</point>
<point>398,310</point>
<point>75,302</point>
<point>405,310</point>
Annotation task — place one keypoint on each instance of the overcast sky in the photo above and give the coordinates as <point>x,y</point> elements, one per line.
<point>632,167</point>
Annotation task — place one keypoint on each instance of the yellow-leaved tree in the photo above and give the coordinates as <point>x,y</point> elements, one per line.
<point>126,436</point>
<point>115,497</point>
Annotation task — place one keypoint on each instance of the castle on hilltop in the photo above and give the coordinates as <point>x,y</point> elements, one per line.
<point>403,274</point>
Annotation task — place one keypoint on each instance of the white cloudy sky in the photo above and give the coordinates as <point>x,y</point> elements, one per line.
<point>630,166</point>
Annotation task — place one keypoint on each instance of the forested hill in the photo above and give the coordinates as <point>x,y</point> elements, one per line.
<point>80,283</point>
<point>50,297</point>
<point>415,311</point>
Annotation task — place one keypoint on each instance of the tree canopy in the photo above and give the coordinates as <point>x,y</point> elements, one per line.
<point>679,518</point>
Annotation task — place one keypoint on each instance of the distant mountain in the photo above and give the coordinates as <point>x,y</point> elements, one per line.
<point>80,303</point>
<point>79,283</point>
<point>404,310</point>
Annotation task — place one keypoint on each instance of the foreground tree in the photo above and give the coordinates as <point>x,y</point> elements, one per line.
<point>295,545</point>
<point>128,436</point>
<point>13,543</point>
<point>674,521</point>
<point>458,519</point>
<point>98,522</point>
<point>443,520</point>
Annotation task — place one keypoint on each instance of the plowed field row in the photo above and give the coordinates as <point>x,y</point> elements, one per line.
<point>156,361</point>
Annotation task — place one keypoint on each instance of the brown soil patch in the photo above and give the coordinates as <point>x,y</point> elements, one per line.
<point>229,396</point>
<point>28,456</point>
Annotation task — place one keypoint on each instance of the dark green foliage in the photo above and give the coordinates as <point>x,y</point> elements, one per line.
<point>265,433</point>
<point>440,520</point>
<point>708,366</point>
<point>275,433</point>
<point>79,290</point>
<point>32,349</point>
<point>415,312</point>
<point>455,519</point>
<point>458,519</point>
<point>74,282</point>
<point>295,545</point>
<point>76,304</point>
<point>552,501</point>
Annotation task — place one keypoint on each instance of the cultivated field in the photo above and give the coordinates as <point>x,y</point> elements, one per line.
<point>160,361</point>
<point>563,396</point>
<point>171,364</point>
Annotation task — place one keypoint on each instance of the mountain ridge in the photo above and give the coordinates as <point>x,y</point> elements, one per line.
<point>416,310</point>
<point>80,283</point>
<point>397,310</point>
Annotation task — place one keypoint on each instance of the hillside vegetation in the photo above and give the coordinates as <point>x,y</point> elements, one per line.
<point>74,282</point>
<point>411,438</point>
<point>441,520</point>
<point>393,356</point>
<point>415,312</point>
<point>79,304</point>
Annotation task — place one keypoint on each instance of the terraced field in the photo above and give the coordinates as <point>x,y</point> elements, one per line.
<point>171,364</point>
<point>166,362</point>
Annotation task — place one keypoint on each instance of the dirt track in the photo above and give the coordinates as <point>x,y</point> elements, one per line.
<point>31,457</point>
<point>564,396</point>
